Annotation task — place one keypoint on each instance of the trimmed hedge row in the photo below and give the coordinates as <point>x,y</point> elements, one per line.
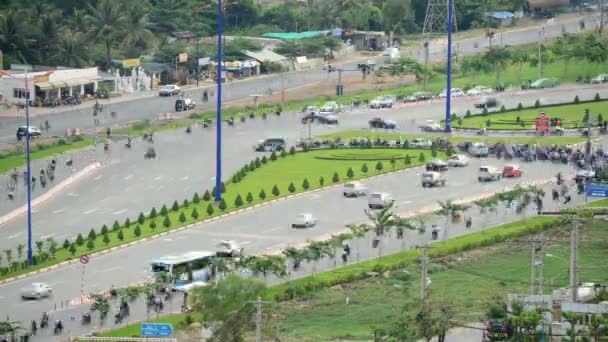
<point>402,259</point>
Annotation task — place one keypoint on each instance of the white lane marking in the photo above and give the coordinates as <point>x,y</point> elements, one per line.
<point>98,177</point>
<point>56,283</point>
<point>109,269</point>
<point>158,178</point>
<point>272,230</point>
<point>314,197</point>
<point>15,235</point>
<point>185,178</point>
<point>119,212</point>
<point>405,202</point>
<point>73,194</point>
<point>58,211</point>
<point>90,211</point>
<point>245,243</point>
<point>129,177</point>
<point>47,236</point>
<point>159,188</point>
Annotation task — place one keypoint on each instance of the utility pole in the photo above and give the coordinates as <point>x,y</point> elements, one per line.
<point>259,303</point>
<point>574,262</point>
<point>601,17</point>
<point>426,64</point>
<point>538,254</point>
<point>424,264</point>
<point>541,33</point>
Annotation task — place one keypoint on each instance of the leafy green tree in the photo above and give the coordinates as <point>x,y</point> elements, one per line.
<point>106,238</point>
<point>152,213</point>
<point>379,166</point>
<point>107,21</point>
<point>79,240</point>
<point>407,160</point>
<point>350,173</point>
<point>72,249</point>
<point>182,217</point>
<point>195,198</point>
<point>224,303</point>
<point>175,206</point>
<point>206,196</point>
<point>249,197</point>
<point>421,158</point>
<point>92,234</point>
<point>210,209</point>
<point>499,57</point>
<point>305,184</point>
<point>90,244</point>
<point>291,187</point>
<point>194,214</point>
<point>137,35</point>
<point>262,194</point>
<point>127,223</point>
<point>164,211</point>
<point>167,222</point>
<point>152,225</point>
<point>141,218</point>
<point>121,235</point>
<point>321,181</point>
<point>186,203</point>
<point>238,201</point>
<point>275,190</point>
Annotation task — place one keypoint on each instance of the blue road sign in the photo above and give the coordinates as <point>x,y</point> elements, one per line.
<point>156,329</point>
<point>598,189</point>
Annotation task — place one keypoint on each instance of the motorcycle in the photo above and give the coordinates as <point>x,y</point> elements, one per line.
<point>86,318</point>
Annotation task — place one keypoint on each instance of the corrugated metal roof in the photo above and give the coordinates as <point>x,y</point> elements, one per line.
<point>265,55</point>
<point>295,35</point>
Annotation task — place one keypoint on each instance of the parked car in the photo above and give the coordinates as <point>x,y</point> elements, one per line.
<point>511,171</point>
<point>380,200</point>
<point>354,189</point>
<point>433,178</point>
<point>304,220</point>
<point>381,123</point>
<point>22,132</point>
<point>458,160</point>
<point>601,78</point>
<point>489,173</point>
<point>479,149</point>
<point>36,291</point>
<point>382,102</point>
<point>330,107</point>
<point>544,83</point>
<point>479,90</point>
<point>487,102</point>
<point>431,126</point>
<point>184,104</point>
<point>437,165</point>
<point>228,248</point>
<point>169,90</point>
<point>456,92</point>
<point>421,143</point>
<point>321,117</point>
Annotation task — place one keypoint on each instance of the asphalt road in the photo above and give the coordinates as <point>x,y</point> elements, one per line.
<point>127,184</point>
<point>148,107</point>
<point>263,230</point>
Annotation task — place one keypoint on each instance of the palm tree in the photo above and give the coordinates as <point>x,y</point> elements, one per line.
<point>15,37</point>
<point>384,219</point>
<point>296,255</point>
<point>265,264</point>
<point>10,328</point>
<point>452,210</point>
<point>315,251</point>
<point>107,20</point>
<point>69,47</point>
<point>137,30</point>
<point>9,256</point>
<point>20,248</point>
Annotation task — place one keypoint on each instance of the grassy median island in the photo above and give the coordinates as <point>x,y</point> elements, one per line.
<point>260,180</point>
<point>16,158</point>
<point>373,135</point>
<point>571,115</point>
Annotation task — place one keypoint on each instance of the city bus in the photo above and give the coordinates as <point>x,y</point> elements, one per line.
<point>188,270</point>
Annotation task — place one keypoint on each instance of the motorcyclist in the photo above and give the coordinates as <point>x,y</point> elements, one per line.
<point>34,327</point>
<point>559,178</point>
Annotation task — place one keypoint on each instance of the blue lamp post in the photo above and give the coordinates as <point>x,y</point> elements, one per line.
<point>448,101</point>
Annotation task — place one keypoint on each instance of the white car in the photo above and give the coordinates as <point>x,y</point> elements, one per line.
<point>456,92</point>
<point>354,189</point>
<point>431,126</point>
<point>304,221</point>
<point>382,102</point>
<point>379,200</point>
<point>169,90</point>
<point>421,143</point>
<point>489,173</point>
<point>479,90</point>
<point>601,78</point>
<point>228,248</point>
<point>458,160</point>
<point>36,291</point>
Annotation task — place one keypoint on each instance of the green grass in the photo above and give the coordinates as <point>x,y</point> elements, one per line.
<point>281,173</point>
<point>377,301</point>
<point>358,134</point>
<point>177,321</point>
<point>17,159</point>
<point>571,115</point>
<point>141,127</point>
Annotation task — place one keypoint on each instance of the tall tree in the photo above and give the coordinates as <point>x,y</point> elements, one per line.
<point>499,57</point>
<point>137,33</point>
<point>107,20</point>
<point>71,49</point>
<point>15,37</point>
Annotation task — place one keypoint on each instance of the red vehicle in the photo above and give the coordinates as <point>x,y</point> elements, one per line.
<point>511,171</point>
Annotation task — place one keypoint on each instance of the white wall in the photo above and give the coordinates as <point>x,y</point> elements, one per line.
<point>7,84</point>
<point>70,74</point>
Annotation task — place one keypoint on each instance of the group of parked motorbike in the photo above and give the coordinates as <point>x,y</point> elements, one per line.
<point>54,102</point>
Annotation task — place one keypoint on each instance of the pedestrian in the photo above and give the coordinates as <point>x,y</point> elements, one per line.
<point>469,222</point>
<point>34,327</point>
<point>555,194</point>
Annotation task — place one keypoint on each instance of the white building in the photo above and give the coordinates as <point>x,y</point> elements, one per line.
<point>59,84</point>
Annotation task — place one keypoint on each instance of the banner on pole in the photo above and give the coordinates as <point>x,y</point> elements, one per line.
<point>131,63</point>
<point>204,61</point>
<point>1,60</point>
<point>182,58</point>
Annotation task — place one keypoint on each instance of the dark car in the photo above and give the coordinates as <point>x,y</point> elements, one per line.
<point>381,123</point>
<point>320,118</point>
<point>22,132</point>
<point>487,102</point>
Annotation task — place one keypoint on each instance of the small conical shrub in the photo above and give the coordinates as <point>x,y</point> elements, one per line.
<point>292,150</point>
<point>186,203</point>
<point>222,205</point>
<point>79,240</point>
<point>421,157</point>
<point>106,239</point>
<point>537,104</point>
<point>104,230</point>
<point>291,188</point>
<point>182,217</point>
<point>576,100</point>
<point>262,194</point>
<point>364,168</point>
<point>238,201</point>
<point>90,245</point>
<point>175,206</point>
<point>115,226</point>
<point>72,249</point>
<point>167,222</point>
<point>379,166</point>
<point>137,231</point>
<point>127,223</point>
<point>206,196</point>
<point>258,163</point>
<point>264,160</point>
<point>596,98</point>
<point>92,234</point>
<point>66,244</point>
<point>195,198</point>
<point>210,209</point>
<point>283,153</point>
<point>152,225</point>
<point>350,173</point>
<point>152,213</point>
<point>335,178</point>
<point>520,106</point>
<point>194,213</point>
<point>141,218</point>
<point>249,197</point>
<point>275,190</point>
<point>321,181</point>
<point>273,156</point>
<point>305,184</point>
<point>407,160</point>
<point>120,235</point>
<point>164,211</point>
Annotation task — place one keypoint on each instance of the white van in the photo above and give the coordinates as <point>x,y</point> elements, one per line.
<point>354,189</point>
<point>489,173</point>
<point>432,178</point>
<point>379,200</point>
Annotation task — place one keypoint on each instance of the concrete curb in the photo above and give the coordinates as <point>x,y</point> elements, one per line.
<point>47,195</point>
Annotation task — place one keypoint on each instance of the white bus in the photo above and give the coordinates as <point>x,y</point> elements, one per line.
<point>188,270</point>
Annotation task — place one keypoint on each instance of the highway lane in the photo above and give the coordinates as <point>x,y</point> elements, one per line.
<point>261,230</point>
<point>127,184</point>
<point>147,107</point>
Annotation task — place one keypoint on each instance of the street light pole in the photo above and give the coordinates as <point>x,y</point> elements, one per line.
<point>448,102</point>
<point>30,256</point>
<point>218,116</point>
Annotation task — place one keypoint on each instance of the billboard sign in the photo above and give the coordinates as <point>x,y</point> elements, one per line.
<point>597,189</point>
<point>542,123</point>
<point>182,58</point>
<point>131,63</point>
